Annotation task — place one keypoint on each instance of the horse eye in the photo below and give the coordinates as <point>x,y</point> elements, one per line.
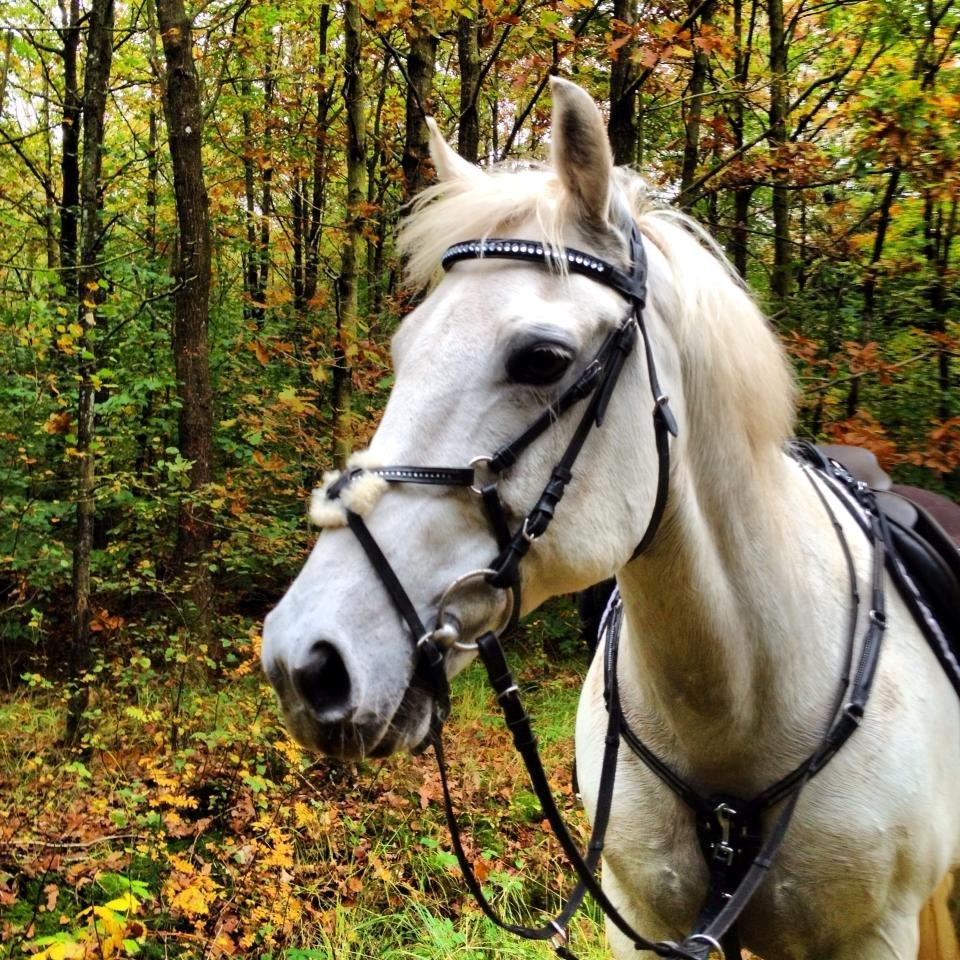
<point>539,364</point>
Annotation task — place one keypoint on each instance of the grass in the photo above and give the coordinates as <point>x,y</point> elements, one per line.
<point>189,826</point>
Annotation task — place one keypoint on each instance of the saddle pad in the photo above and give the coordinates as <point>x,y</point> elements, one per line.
<point>925,565</point>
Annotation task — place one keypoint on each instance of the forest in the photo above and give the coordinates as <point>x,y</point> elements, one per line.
<point>198,287</point>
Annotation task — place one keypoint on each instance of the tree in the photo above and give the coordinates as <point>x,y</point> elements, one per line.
<point>96,81</point>
<point>191,273</point>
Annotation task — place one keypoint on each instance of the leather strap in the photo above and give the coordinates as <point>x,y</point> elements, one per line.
<point>597,382</point>
<point>631,285</point>
<point>436,476</point>
<point>723,907</point>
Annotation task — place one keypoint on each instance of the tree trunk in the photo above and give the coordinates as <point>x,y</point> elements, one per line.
<point>89,295</point>
<point>266,177</point>
<point>378,180</point>
<point>181,106</point>
<point>737,246</point>
<point>348,306</point>
<point>253,300</point>
<point>420,67</point>
<point>870,281</point>
<point>319,186</point>
<point>693,114</point>
<point>50,197</point>
<point>70,148</point>
<point>468,53</point>
<point>780,283</point>
<point>622,126</point>
<point>940,230</point>
<point>5,66</point>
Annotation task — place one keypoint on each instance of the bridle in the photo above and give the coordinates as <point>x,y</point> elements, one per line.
<point>595,385</point>
<point>730,829</point>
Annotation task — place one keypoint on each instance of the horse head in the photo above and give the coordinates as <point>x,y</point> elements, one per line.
<point>475,364</point>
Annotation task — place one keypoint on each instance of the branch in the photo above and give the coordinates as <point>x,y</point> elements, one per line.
<point>717,167</point>
<point>14,142</point>
<point>685,25</point>
<point>822,386</point>
<point>521,119</point>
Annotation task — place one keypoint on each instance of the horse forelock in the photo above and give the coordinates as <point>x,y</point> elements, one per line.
<point>728,351</point>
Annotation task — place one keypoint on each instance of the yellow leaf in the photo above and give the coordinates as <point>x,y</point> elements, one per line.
<point>191,901</point>
<point>127,903</point>
<point>62,950</point>
<point>288,397</point>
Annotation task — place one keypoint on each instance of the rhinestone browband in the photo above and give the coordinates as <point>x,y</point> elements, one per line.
<point>631,286</point>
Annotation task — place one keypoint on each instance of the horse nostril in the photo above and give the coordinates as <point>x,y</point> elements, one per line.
<point>324,683</point>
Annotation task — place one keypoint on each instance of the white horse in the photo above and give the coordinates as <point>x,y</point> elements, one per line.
<point>735,618</point>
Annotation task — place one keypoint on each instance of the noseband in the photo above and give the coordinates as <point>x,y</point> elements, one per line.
<point>595,385</point>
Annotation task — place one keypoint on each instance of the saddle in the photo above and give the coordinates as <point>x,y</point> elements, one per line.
<point>922,558</point>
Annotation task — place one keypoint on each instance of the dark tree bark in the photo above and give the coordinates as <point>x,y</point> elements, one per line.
<point>468,53</point>
<point>870,280</point>
<point>348,301</point>
<point>181,107</point>
<point>781,279</point>
<point>622,125</point>
<point>99,56</point>
<point>319,185</point>
<point>737,246</point>
<point>693,113</point>
<point>70,148</point>
<point>378,182</point>
<point>421,62</point>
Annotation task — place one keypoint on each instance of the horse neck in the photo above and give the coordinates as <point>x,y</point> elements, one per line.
<point>734,618</point>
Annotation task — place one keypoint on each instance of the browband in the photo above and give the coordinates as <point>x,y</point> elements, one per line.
<point>632,285</point>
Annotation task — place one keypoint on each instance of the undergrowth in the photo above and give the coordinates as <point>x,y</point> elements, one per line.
<point>189,825</point>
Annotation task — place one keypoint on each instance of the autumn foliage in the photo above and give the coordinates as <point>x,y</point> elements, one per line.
<point>151,805</point>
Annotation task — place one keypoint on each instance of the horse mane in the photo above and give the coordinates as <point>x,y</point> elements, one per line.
<point>736,375</point>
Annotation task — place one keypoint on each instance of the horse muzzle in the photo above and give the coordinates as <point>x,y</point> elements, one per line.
<point>332,705</point>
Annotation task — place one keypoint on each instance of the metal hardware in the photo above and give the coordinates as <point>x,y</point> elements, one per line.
<point>714,945</point>
<point>723,849</point>
<point>476,460</point>
<point>483,573</point>
<point>561,938</point>
<point>526,534</point>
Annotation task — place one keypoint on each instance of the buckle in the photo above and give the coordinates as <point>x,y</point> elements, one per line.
<point>561,938</point>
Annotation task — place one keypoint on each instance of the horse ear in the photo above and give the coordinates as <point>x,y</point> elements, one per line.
<point>448,163</point>
<point>581,150</point>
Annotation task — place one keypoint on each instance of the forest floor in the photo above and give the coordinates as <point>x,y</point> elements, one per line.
<point>191,826</point>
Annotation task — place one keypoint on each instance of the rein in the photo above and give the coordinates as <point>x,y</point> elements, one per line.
<point>729,828</point>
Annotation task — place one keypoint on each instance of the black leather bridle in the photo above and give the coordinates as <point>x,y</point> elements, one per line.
<point>594,385</point>
<point>730,829</point>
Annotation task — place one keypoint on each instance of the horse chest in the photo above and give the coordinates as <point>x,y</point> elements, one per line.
<point>653,861</point>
